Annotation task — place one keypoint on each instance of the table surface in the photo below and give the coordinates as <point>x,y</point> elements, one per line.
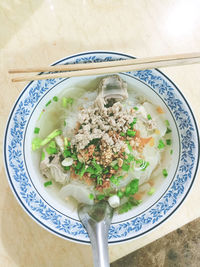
<point>39,32</point>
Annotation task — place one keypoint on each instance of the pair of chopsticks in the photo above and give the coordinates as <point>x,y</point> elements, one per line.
<point>87,69</point>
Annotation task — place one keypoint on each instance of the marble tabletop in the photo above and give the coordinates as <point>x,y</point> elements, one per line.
<point>39,32</point>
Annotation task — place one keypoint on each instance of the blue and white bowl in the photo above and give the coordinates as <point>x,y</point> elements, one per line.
<point>22,167</point>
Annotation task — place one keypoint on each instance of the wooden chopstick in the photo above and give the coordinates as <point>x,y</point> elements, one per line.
<point>88,69</point>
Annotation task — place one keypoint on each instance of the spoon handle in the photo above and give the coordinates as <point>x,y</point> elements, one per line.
<point>98,233</point>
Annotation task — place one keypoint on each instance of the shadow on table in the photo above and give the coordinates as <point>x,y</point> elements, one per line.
<point>28,244</point>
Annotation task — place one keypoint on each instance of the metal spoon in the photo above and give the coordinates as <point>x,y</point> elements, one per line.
<point>96,219</point>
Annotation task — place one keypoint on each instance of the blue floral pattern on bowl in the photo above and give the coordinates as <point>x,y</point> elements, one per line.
<point>71,229</point>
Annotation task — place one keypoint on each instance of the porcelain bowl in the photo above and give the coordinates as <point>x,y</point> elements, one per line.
<point>22,166</point>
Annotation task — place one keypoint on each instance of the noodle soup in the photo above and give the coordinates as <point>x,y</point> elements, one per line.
<point>103,141</point>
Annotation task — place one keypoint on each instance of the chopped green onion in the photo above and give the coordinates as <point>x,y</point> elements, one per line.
<point>115,180</point>
<point>165,173</point>
<point>70,100</point>
<point>134,184</point>
<point>43,155</point>
<point>113,163</point>
<point>130,158</point>
<point>41,114</point>
<point>152,191</point>
<point>168,142</point>
<point>66,101</point>
<point>51,149</point>
<point>133,122</point>
<point>120,194</point>
<point>74,156</point>
<point>66,168</point>
<point>145,165</point>
<point>48,103</point>
<point>36,130</point>
<point>65,123</point>
<point>47,183</point>
<point>67,153</point>
<point>136,108</point>
<point>37,142</point>
<point>130,133</point>
<point>171,151</point>
<point>125,166</point>
<point>99,180</point>
<point>149,117</point>
<point>167,123</point>
<point>55,98</point>
<point>100,197</point>
<point>97,167</point>
<point>161,144</point>
<point>122,134</point>
<point>116,167</point>
<point>78,165</point>
<point>91,196</point>
<point>127,191</point>
<point>129,146</point>
<point>66,141</point>
<point>168,131</point>
<point>83,170</point>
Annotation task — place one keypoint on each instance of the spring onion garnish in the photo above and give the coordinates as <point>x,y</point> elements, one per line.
<point>168,142</point>
<point>38,142</point>
<point>120,194</point>
<point>171,151</point>
<point>132,187</point>
<point>167,123</point>
<point>133,122</point>
<point>130,158</point>
<point>99,180</point>
<point>51,149</point>
<point>130,133</point>
<point>83,170</point>
<point>165,173</point>
<point>55,98</point>
<point>161,144</point>
<point>151,192</point>
<point>115,180</point>
<point>142,165</point>
<point>66,101</point>
<point>43,155</point>
<point>125,166</point>
<point>116,167</point>
<point>100,197</point>
<point>66,168</point>
<point>134,184</point>
<point>91,196</point>
<point>129,146</point>
<point>149,117</point>
<point>136,108</point>
<point>168,130</point>
<point>42,112</point>
<point>122,134</point>
<point>36,130</point>
<point>48,103</point>
<point>47,183</point>
<point>145,165</point>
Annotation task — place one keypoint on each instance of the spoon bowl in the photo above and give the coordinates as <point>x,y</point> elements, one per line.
<point>97,219</point>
